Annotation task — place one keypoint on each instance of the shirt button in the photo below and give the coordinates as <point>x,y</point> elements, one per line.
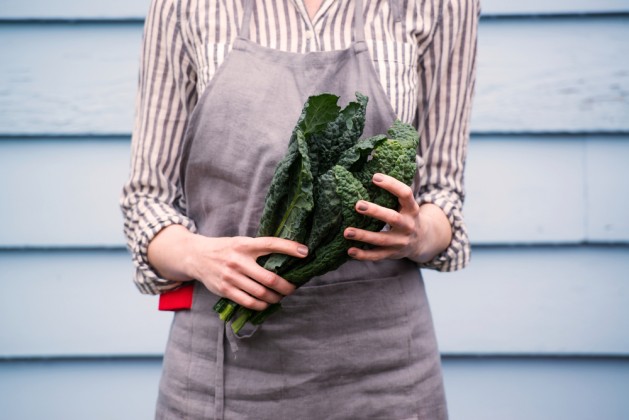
<point>309,34</point>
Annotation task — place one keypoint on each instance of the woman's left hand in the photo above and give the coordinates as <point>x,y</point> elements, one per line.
<point>418,233</point>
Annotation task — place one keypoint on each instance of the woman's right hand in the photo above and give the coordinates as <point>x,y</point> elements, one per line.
<point>226,266</point>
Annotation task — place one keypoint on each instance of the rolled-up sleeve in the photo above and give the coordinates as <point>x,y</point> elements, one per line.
<point>446,80</point>
<point>151,198</point>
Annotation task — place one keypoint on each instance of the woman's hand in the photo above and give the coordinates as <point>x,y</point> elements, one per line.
<point>226,266</point>
<point>416,232</point>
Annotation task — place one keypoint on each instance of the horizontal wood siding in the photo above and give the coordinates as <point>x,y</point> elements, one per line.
<point>607,202</point>
<point>101,389</point>
<point>551,75</point>
<point>559,75</point>
<point>540,389</point>
<point>476,388</point>
<point>521,189</point>
<point>62,192</point>
<point>68,78</point>
<point>547,204</point>
<point>534,300</point>
<point>78,303</point>
<point>537,300</point>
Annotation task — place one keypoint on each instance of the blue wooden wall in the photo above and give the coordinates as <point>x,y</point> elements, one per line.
<point>537,326</point>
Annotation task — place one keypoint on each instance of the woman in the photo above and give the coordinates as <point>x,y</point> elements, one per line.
<point>221,86</point>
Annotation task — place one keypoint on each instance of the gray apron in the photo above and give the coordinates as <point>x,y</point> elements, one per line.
<point>357,343</point>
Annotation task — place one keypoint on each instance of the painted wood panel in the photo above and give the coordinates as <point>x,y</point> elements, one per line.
<point>68,78</point>
<point>526,190</point>
<point>520,189</point>
<point>547,300</point>
<point>565,75</point>
<point>477,388</point>
<point>607,163</point>
<point>546,389</point>
<point>121,9</point>
<point>62,192</point>
<point>79,390</point>
<point>550,75</point>
<point>542,300</point>
<point>543,7</point>
<point>80,303</point>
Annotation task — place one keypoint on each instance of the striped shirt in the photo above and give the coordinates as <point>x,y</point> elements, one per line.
<point>423,51</point>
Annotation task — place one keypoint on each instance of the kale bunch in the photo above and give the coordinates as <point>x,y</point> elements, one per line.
<point>314,190</point>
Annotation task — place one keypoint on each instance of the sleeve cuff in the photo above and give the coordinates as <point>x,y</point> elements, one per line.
<point>146,278</point>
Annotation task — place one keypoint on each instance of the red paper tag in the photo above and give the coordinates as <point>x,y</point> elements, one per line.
<point>177,300</point>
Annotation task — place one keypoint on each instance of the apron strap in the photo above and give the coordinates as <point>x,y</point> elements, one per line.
<point>246,18</point>
<point>359,22</point>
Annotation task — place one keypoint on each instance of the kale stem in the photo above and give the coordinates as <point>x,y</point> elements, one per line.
<point>243,317</point>
<point>225,309</point>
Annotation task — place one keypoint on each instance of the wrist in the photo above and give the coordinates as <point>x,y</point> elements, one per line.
<point>189,252</point>
<point>172,253</point>
<point>434,235</point>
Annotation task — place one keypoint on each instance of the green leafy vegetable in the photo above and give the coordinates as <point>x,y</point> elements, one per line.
<point>311,199</point>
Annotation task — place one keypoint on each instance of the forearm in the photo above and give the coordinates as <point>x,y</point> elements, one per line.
<point>170,253</point>
<point>435,233</point>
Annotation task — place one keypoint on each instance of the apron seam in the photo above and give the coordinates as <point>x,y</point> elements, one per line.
<point>189,364</point>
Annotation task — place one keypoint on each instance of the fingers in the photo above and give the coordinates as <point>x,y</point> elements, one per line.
<point>403,192</point>
<point>399,240</point>
<point>240,278</point>
<point>244,299</point>
<point>385,244</point>
<point>372,254</point>
<point>394,218</point>
<point>268,245</point>
<point>250,285</point>
<point>257,247</point>
<point>268,280</point>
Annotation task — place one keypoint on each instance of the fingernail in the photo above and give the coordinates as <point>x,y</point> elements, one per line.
<point>351,252</point>
<point>362,206</point>
<point>378,178</point>
<point>350,233</point>
<point>302,250</point>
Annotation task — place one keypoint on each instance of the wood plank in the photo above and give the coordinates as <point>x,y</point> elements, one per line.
<point>544,7</point>
<point>78,390</point>
<point>64,303</point>
<point>550,75</point>
<point>124,9</point>
<point>607,189</point>
<point>540,389</point>
<point>62,192</point>
<point>566,75</point>
<point>540,300</point>
<point>87,84</point>
<point>547,300</point>
<point>520,189</point>
<point>74,9</point>
<point>477,388</point>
